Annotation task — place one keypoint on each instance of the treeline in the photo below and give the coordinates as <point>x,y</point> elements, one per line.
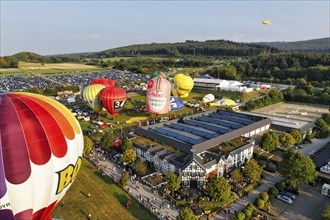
<point>13,61</point>
<point>194,48</point>
<point>306,93</point>
<point>321,45</point>
<point>271,98</point>
<point>52,91</point>
<point>148,65</point>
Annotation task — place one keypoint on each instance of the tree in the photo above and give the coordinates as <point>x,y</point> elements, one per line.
<point>269,141</point>
<point>326,116</point>
<point>236,176</point>
<point>252,170</point>
<point>141,168</point>
<point>322,130</point>
<point>264,196</point>
<point>172,181</point>
<point>286,140</point>
<point>127,144</point>
<point>219,188</point>
<point>241,216</point>
<point>260,203</point>
<point>297,168</point>
<point>88,145</point>
<point>129,156</point>
<point>296,134</point>
<point>186,214</point>
<point>106,140</point>
<point>326,212</point>
<point>124,179</point>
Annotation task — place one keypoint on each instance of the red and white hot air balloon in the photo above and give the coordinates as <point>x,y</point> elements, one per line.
<point>113,99</point>
<point>41,145</point>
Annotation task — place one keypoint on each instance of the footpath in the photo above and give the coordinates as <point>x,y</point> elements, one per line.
<point>154,202</point>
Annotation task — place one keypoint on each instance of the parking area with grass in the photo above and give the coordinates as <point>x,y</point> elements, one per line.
<point>308,205</point>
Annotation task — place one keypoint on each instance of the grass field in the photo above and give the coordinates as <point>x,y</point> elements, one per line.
<point>50,68</point>
<point>107,200</point>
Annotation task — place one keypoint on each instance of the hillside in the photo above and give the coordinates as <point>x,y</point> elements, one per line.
<point>321,45</point>
<point>192,48</point>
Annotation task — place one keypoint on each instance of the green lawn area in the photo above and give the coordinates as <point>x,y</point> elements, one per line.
<point>112,59</point>
<point>107,200</point>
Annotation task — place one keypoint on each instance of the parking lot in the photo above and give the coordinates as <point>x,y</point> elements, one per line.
<point>308,205</point>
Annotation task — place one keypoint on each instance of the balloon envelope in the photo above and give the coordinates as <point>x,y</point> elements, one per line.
<point>105,82</point>
<point>158,95</point>
<point>266,22</point>
<point>185,84</point>
<point>41,145</point>
<point>176,103</point>
<point>91,96</point>
<point>113,99</point>
<point>208,98</point>
<point>157,73</point>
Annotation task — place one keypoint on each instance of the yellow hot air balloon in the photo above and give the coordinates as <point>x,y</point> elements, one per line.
<point>185,84</point>
<point>265,22</point>
<point>91,96</point>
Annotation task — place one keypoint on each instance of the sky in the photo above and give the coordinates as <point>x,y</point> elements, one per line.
<point>59,27</point>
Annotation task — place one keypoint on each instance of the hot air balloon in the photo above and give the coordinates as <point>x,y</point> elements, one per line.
<point>157,73</point>
<point>184,85</point>
<point>208,98</point>
<point>105,82</point>
<point>41,145</point>
<point>176,103</point>
<point>113,99</point>
<point>266,22</point>
<point>91,96</point>
<point>158,95</point>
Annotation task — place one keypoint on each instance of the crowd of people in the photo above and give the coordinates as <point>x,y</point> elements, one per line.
<point>151,199</point>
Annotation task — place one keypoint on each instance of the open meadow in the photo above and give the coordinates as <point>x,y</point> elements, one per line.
<point>107,200</point>
<point>28,68</point>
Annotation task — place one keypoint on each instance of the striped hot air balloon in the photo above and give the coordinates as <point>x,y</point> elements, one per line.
<point>41,145</point>
<point>91,96</point>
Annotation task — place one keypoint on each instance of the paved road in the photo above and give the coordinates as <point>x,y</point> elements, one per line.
<point>310,149</point>
<point>269,181</point>
<point>142,193</point>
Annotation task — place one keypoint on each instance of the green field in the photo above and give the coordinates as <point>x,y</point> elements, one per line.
<point>107,200</point>
<point>27,69</point>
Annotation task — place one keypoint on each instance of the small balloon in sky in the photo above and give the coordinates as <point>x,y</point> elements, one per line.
<point>265,22</point>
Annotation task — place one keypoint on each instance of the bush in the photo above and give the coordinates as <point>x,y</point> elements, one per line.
<point>273,191</point>
<point>248,212</point>
<point>280,186</point>
<point>264,196</point>
<point>260,203</point>
<point>241,216</point>
<point>268,206</point>
<point>250,206</point>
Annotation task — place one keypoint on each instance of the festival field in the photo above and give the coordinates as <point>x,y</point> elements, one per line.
<point>107,200</point>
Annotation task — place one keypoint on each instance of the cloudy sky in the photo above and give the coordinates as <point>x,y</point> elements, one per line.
<point>57,27</point>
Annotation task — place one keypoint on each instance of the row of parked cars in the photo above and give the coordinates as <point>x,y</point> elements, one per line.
<point>289,195</point>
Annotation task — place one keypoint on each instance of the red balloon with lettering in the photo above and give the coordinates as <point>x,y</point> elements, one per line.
<point>113,99</point>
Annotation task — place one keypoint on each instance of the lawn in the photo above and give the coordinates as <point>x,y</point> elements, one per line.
<point>107,200</point>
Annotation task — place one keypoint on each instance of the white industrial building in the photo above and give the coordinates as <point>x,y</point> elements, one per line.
<point>220,84</point>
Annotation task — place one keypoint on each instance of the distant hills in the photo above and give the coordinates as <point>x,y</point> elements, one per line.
<point>215,48</point>
<point>321,45</point>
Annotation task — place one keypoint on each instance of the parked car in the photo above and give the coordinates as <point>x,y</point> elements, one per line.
<point>284,199</point>
<point>292,190</point>
<point>289,195</point>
